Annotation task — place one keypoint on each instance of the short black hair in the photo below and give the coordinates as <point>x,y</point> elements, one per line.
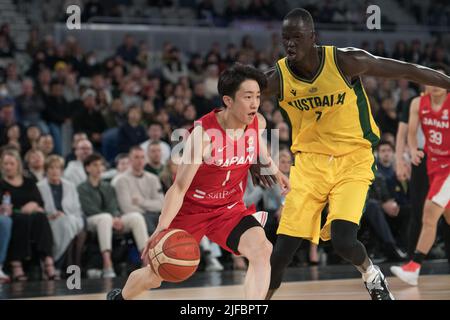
<point>119,157</point>
<point>385,142</point>
<point>300,14</point>
<point>230,79</point>
<point>92,158</point>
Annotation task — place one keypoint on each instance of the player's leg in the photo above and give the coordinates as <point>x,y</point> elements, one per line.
<point>301,215</point>
<point>409,272</point>
<point>139,281</point>
<point>254,245</point>
<point>283,252</point>
<point>438,200</point>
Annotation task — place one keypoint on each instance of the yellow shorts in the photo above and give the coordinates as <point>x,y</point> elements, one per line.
<point>318,179</point>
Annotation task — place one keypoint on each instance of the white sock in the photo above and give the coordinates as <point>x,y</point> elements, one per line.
<point>370,273</point>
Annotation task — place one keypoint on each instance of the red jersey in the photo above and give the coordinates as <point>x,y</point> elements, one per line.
<point>436,128</point>
<point>222,178</point>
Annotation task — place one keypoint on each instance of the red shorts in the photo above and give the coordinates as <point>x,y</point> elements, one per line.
<point>216,225</point>
<point>439,191</point>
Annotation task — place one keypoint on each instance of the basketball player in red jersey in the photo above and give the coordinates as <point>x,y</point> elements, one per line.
<point>432,112</point>
<point>207,195</point>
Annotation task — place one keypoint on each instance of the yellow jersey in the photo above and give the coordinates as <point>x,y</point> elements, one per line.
<point>327,114</point>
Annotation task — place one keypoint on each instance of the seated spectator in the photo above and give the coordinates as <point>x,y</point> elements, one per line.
<point>128,51</point>
<point>56,113</point>
<point>63,208</point>
<point>76,138</point>
<point>121,164</point>
<point>31,141</point>
<point>99,203</point>
<point>45,144</point>
<point>167,175</point>
<point>399,206</point>
<point>140,191</point>
<point>88,119</point>
<point>5,235</point>
<point>30,106</point>
<point>13,136</point>
<point>155,132</point>
<point>31,231</point>
<point>75,170</point>
<point>35,165</point>
<point>154,164</point>
<point>7,117</point>
<point>131,133</point>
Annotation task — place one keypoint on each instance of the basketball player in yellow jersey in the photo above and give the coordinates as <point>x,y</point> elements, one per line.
<point>333,132</point>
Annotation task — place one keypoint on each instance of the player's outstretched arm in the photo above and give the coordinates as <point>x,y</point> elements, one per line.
<point>413,124</point>
<point>191,160</point>
<point>355,62</point>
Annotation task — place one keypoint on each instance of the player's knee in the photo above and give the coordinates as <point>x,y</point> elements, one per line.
<point>428,221</point>
<point>151,280</point>
<point>260,252</point>
<point>343,246</point>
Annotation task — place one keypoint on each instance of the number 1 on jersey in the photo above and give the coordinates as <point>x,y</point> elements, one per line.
<point>227,178</point>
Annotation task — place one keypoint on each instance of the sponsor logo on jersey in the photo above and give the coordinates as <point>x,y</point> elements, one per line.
<point>306,104</point>
<point>445,115</point>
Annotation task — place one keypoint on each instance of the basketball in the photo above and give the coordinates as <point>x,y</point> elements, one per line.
<point>174,255</point>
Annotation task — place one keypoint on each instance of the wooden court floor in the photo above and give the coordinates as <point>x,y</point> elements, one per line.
<point>431,287</point>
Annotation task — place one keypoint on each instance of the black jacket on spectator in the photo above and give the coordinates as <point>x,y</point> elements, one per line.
<point>56,109</point>
<point>202,105</point>
<point>129,136</point>
<point>30,108</point>
<point>89,122</point>
<point>31,233</point>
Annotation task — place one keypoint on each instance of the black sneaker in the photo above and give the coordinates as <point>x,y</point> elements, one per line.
<point>114,294</point>
<point>378,287</point>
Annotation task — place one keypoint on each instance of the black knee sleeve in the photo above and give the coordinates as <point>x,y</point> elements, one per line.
<point>282,255</point>
<point>345,242</point>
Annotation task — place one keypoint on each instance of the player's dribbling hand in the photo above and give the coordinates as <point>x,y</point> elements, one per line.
<point>417,156</point>
<point>262,178</point>
<point>144,255</point>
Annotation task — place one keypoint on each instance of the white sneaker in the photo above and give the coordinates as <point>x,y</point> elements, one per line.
<point>408,273</point>
<point>108,273</point>
<point>377,285</point>
<point>212,264</point>
<point>4,278</point>
<point>94,273</point>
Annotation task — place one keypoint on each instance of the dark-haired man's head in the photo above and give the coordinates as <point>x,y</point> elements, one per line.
<point>385,153</point>
<point>122,162</point>
<point>155,131</point>
<point>94,165</point>
<point>240,89</point>
<point>298,35</point>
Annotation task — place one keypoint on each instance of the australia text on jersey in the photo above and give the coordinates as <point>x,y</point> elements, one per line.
<point>305,104</point>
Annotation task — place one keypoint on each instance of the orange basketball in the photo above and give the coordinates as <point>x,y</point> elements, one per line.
<point>174,255</point>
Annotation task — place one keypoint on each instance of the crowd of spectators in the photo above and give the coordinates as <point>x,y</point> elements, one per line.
<point>86,147</point>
